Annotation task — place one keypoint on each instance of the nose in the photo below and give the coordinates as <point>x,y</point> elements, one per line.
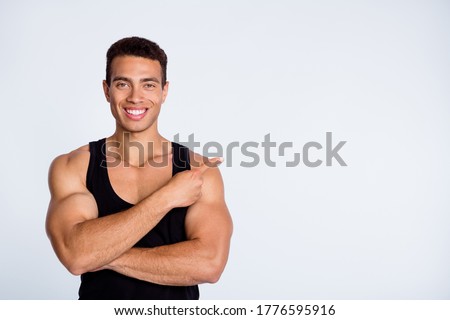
<point>135,96</point>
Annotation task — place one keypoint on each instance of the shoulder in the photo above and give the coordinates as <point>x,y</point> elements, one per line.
<point>197,160</point>
<point>212,178</point>
<point>70,166</point>
<point>71,160</point>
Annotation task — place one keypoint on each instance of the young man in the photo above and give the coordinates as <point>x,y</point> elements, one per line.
<point>138,216</point>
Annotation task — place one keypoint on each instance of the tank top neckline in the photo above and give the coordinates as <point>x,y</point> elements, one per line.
<point>105,168</point>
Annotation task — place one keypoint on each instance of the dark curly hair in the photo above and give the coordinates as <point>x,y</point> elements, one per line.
<point>138,47</point>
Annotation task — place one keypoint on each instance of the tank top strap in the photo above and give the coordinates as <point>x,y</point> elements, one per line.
<point>181,160</point>
<point>97,170</point>
<point>95,157</point>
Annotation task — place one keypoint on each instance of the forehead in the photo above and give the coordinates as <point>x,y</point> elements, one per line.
<point>135,67</point>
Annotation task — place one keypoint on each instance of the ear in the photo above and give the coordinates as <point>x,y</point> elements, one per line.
<point>165,91</point>
<point>106,91</point>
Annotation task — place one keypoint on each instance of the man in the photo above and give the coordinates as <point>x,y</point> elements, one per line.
<point>138,216</point>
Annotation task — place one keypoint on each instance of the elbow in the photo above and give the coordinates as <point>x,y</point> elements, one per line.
<point>75,261</point>
<point>214,261</point>
<point>75,269</point>
<point>79,265</point>
<point>213,271</point>
<point>70,261</point>
<point>213,278</point>
<point>75,265</point>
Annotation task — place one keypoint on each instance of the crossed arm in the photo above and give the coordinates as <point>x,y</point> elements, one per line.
<point>200,259</point>
<point>83,242</point>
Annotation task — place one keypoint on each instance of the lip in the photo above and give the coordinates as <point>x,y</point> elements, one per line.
<point>135,117</point>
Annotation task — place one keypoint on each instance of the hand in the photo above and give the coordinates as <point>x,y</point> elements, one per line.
<point>185,188</point>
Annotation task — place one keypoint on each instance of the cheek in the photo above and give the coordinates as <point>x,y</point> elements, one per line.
<point>153,99</point>
<point>115,99</point>
<point>114,110</point>
<point>114,103</point>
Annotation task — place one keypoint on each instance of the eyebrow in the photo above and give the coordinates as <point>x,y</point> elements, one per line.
<point>151,79</point>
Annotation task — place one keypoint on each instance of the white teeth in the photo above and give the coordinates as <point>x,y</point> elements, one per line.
<point>135,112</point>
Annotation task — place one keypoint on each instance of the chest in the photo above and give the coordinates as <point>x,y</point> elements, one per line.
<point>133,184</point>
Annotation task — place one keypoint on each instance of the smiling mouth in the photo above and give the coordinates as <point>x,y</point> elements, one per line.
<point>135,112</point>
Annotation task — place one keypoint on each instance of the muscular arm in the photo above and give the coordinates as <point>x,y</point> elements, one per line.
<point>82,241</point>
<point>201,258</point>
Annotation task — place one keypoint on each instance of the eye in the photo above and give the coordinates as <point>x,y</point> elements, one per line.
<point>149,85</point>
<point>121,85</point>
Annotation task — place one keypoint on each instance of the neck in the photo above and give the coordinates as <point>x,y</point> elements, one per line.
<point>137,148</point>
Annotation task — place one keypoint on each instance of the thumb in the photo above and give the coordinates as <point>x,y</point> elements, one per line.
<point>209,163</point>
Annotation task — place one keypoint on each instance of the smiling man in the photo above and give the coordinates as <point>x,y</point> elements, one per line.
<point>137,215</point>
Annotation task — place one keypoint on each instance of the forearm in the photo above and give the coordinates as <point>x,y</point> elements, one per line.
<point>182,264</point>
<point>96,242</point>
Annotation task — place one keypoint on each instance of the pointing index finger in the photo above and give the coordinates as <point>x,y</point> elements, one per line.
<point>210,163</point>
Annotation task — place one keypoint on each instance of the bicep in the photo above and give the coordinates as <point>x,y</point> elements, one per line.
<point>65,213</point>
<point>71,203</point>
<point>209,220</point>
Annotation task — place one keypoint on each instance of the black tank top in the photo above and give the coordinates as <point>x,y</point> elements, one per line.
<point>108,284</point>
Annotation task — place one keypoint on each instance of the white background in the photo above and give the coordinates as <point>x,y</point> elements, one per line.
<point>375,73</point>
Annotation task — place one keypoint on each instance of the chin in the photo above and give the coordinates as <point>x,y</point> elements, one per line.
<point>136,128</point>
